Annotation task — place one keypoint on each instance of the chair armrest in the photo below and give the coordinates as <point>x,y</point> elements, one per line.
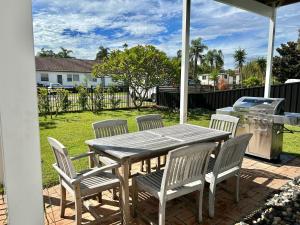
<point>83,155</point>
<point>93,172</point>
<point>62,174</point>
<point>87,154</point>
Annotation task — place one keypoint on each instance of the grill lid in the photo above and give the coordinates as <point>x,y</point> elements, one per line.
<point>259,105</point>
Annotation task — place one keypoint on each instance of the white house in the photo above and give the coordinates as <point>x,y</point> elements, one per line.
<point>67,72</point>
<point>228,79</point>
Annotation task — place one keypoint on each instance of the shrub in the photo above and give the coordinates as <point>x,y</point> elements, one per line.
<point>63,99</point>
<point>43,102</point>
<point>83,97</point>
<point>98,98</point>
<point>114,101</point>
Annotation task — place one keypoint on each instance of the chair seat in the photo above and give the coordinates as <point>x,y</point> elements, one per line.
<point>100,182</point>
<point>152,184</point>
<point>221,176</point>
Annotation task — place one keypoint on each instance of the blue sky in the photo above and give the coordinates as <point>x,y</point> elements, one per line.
<point>84,25</point>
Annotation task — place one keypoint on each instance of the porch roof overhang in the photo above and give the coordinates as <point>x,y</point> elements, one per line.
<point>261,7</point>
<point>266,8</point>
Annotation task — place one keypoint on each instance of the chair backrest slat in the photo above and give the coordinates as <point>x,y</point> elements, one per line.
<point>109,128</point>
<point>225,123</point>
<point>231,153</point>
<point>62,158</point>
<point>185,165</point>
<point>151,121</point>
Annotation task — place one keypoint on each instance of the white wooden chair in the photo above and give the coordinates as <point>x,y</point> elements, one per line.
<point>81,184</point>
<point>184,173</point>
<point>227,164</point>
<point>148,122</point>
<point>225,123</point>
<point>109,128</point>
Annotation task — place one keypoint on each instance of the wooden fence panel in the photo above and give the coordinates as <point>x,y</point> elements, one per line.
<point>170,97</point>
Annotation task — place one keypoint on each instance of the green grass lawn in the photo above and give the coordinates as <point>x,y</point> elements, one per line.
<point>72,129</point>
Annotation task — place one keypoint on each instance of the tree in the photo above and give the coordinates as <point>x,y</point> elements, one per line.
<point>141,67</point>
<point>298,42</point>
<point>219,59</point>
<point>46,53</point>
<point>287,64</point>
<point>197,48</point>
<point>262,64</point>
<point>252,81</point>
<point>252,69</point>
<point>240,58</point>
<point>215,59</point>
<point>64,53</point>
<point>102,53</point>
<point>214,76</point>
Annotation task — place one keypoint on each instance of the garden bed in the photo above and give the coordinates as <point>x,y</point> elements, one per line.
<point>283,208</point>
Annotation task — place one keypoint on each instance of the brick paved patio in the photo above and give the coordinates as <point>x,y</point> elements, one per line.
<point>259,179</point>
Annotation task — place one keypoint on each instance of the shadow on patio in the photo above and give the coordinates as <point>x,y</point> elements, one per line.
<point>258,181</point>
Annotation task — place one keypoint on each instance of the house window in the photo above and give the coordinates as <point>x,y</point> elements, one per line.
<point>75,77</point>
<point>204,78</point>
<point>69,78</point>
<point>225,77</point>
<point>44,77</point>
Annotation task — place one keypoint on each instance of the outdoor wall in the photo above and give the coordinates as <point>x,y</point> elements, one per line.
<point>19,115</point>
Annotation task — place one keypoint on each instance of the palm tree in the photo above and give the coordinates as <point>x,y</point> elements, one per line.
<point>240,58</point>
<point>102,53</point>
<point>210,58</point>
<point>197,48</point>
<point>219,59</point>
<point>64,53</point>
<point>262,64</point>
<point>215,59</point>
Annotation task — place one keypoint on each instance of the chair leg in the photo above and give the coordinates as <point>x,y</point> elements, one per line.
<point>162,213</point>
<point>142,166</point>
<point>78,206</point>
<point>99,197</point>
<point>148,165</point>
<point>134,198</point>
<point>211,205</point>
<point>158,164</point>
<point>237,191</point>
<point>114,190</point>
<point>63,194</point>
<point>120,205</point>
<point>200,203</point>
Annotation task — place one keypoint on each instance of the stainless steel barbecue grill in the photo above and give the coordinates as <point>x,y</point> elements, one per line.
<point>265,118</point>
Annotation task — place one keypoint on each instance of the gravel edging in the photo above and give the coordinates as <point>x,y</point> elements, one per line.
<point>283,208</point>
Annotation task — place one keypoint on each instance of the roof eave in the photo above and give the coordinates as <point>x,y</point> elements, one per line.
<point>251,6</point>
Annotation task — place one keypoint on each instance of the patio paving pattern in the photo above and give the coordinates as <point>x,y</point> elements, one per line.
<point>258,180</point>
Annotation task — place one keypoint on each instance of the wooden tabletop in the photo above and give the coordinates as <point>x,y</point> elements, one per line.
<point>143,144</point>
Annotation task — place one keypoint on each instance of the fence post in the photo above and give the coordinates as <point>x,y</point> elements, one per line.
<point>92,98</point>
<point>128,97</point>
<point>157,95</point>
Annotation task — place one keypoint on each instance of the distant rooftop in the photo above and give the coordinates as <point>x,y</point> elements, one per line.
<point>64,65</point>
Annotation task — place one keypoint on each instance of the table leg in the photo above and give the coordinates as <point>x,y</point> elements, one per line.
<point>91,160</point>
<point>123,173</point>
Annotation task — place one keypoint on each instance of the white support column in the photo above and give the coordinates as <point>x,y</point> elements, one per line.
<point>186,15</point>
<point>19,131</point>
<point>272,27</point>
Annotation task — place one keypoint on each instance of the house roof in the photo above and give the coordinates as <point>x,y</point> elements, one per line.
<point>64,65</point>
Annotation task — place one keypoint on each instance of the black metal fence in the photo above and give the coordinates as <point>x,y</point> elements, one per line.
<point>170,97</point>
<point>119,99</point>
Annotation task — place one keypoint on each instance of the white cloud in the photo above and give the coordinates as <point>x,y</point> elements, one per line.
<point>157,22</point>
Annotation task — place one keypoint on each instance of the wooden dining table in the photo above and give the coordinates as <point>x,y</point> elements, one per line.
<point>137,146</point>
